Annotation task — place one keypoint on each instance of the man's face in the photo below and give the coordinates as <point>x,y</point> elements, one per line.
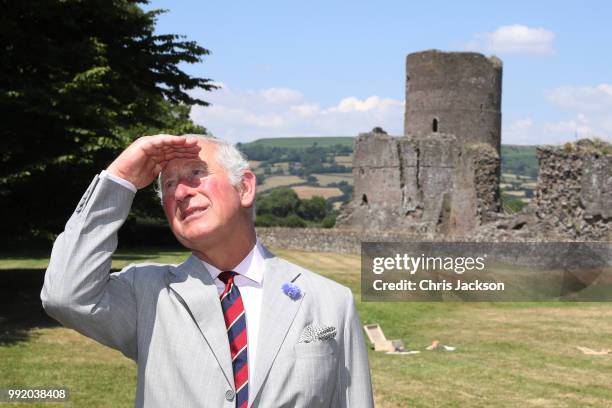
<point>200,203</point>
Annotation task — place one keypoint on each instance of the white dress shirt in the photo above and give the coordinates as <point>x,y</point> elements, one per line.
<point>249,280</point>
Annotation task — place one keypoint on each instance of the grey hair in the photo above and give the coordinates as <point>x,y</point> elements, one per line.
<point>226,154</point>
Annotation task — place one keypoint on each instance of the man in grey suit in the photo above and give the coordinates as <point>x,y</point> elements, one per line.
<point>302,340</point>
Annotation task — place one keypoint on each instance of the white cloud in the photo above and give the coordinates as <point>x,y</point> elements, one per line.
<point>585,111</point>
<point>584,98</point>
<point>514,39</point>
<point>526,131</point>
<point>245,115</point>
<point>352,104</point>
<point>281,95</point>
<point>306,109</point>
<point>590,107</point>
<point>579,127</point>
<point>518,132</point>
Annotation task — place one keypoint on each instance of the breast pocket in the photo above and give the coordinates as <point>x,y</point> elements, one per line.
<point>316,365</point>
<point>315,349</point>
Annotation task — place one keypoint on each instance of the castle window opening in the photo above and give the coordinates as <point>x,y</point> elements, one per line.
<point>434,125</point>
<point>364,199</point>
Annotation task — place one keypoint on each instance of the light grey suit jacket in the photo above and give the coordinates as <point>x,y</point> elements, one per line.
<point>168,319</point>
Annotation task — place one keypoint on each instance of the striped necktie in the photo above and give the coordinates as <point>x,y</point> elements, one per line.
<point>235,321</point>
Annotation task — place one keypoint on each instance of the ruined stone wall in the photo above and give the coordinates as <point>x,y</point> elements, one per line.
<point>424,184</point>
<point>474,197</point>
<point>437,162</point>
<point>326,240</point>
<point>376,169</point>
<point>378,179</point>
<point>458,91</point>
<point>574,190</point>
<point>442,176</point>
<point>486,164</point>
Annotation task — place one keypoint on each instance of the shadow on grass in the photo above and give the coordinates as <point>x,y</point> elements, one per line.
<point>20,306</point>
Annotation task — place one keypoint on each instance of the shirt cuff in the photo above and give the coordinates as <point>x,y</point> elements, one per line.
<point>118,180</point>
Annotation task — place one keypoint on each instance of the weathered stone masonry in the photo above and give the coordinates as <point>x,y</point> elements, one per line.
<point>574,190</point>
<point>443,175</point>
<point>454,92</point>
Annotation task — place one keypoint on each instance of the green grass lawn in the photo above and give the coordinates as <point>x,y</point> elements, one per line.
<point>508,354</point>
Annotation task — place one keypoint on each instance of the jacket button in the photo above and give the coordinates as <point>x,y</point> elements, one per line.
<point>229,395</point>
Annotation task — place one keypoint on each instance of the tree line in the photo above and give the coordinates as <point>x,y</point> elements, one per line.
<point>303,161</point>
<point>79,80</point>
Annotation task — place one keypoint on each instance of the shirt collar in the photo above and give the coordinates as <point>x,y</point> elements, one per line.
<point>250,267</point>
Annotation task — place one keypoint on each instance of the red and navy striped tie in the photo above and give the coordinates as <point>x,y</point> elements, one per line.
<point>235,321</point>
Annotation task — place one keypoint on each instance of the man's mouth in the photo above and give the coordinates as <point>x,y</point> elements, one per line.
<point>193,212</point>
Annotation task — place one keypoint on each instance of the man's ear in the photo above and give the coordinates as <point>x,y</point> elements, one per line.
<point>247,188</point>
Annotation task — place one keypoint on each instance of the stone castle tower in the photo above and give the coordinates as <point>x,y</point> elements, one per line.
<point>454,92</point>
<point>442,175</point>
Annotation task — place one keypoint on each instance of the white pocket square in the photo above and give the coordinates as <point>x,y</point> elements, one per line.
<point>314,333</point>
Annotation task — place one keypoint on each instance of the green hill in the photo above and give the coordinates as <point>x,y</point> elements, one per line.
<point>520,160</point>
<point>516,159</point>
<point>302,142</point>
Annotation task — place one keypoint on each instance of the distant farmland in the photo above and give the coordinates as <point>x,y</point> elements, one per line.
<point>289,161</point>
<point>516,159</point>
<point>302,142</point>
<point>309,191</point>
<point>279,181</point>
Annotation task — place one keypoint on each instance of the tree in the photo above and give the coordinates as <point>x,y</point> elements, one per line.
<point>78,81</point>
<point>312,181</point>
<point>280,202</point>
<point>312,209</point>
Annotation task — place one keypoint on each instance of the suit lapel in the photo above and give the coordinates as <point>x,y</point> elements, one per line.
<point>196,290</point>
<point>277,314</point>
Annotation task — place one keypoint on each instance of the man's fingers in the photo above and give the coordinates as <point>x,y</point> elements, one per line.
<point>169,140</point>
<point>156,148</point>
<point>191,149</point>
<point>167,156</point>
<point>160,149</point>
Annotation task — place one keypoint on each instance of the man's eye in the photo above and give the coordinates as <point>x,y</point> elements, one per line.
<point>197,172</point>
<point>169,183</point>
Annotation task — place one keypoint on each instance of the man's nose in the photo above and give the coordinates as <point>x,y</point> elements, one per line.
<point>183,191</point>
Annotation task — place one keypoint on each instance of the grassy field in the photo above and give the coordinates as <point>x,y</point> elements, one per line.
<point>305,192</point>
<point>327,178</point>
<point>515,193</point>
<point>344,160</point>
<point>508,354</point>
<point>519,160</point>
<point>278,181</point>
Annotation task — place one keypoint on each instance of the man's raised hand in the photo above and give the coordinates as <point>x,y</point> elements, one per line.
<point>145,158</point>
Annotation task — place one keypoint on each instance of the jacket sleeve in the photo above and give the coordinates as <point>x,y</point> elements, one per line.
<point>79,291</point>
<point>354,387</point>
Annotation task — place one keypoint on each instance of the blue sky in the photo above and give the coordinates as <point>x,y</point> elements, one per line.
<point>323,68</point>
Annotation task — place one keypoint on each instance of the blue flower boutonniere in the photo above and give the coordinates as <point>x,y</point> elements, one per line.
<point>292,290</point>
